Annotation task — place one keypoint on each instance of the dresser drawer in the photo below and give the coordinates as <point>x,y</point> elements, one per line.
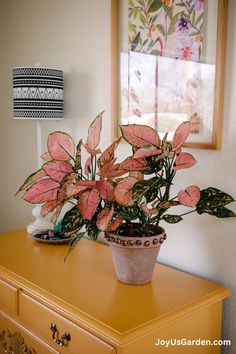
<point>39,318</point>
<point>8,297</point>
<point>19,339</point>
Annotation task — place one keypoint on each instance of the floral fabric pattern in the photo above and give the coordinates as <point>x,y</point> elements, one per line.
<point>159,26</point>
<point>161,75</point>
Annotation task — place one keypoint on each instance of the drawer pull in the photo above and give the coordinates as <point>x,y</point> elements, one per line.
<point>65,338</point>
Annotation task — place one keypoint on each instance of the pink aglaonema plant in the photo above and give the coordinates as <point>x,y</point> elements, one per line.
<point>108,196</point>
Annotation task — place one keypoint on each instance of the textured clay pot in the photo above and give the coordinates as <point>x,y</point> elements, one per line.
<point>135,257</point>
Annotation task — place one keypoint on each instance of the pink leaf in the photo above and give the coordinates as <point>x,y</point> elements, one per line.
<point>184,160</point>
<point>190,196</point>
<point>42,191</point>
<point>131,164</point>
<point>94,132</point>
<point>48,207</point>
<point>31,179</point>
<point>115,223</point>
<point>57,170</point>
<point>110,170</point>
<point>56,214</point>
<point>88,203</point>
<point>73,190</point>
<point>87,165</point>
<point>140,135</point>
<point>114,173</point>
<point>104,219</point>
<point>108,154</point>
<point>88,184</point>
<point>105,189</point>
<point>92,152</point>
<point>151,211</point>
<point>123,191</point>
<point>147,151</point>
<point>46,156</point>
<point>139,176</point>
<point>181,135</point>
<point>60,146</point>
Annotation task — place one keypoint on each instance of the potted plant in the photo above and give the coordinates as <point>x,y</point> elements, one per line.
<point>126,200</point>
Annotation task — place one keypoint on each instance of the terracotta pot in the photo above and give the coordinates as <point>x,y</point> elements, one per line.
<point>135,257</point>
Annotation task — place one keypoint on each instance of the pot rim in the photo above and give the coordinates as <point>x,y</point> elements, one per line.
<point>136,242</point>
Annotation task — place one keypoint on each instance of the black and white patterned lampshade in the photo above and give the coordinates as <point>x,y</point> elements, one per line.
<point>38,93</point>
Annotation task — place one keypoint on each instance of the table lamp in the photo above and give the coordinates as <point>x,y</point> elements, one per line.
<point>38,95</point>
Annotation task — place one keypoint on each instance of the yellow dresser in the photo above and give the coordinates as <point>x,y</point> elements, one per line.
<point>79,307</point>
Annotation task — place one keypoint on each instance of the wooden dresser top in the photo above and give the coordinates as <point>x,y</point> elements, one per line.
<point>85,287</point>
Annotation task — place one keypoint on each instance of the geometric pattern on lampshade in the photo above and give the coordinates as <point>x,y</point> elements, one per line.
<point>37,93</point>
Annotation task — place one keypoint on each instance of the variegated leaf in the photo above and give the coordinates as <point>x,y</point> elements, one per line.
<point>133,164</point>
<point>104,219</point>
<point>147,151</point>
<point>72,220</point>
<point>48,207</point>
<point>94,132</point>
<point>105,189</point>
<point>88,203</point>
<point>46,156</point>
<point>123,191</point>
<point>78,156</point>
<point>60,146</point>
<point>115,223</point>
<point>109,153</point>
<point>190,196</point>
<point>87,166</point>
<point>58,170</point>
<point>184,160</point>
<point>180,135</point>
<point>140,135</point>
<point>31,179</point>
<point>42,191</point>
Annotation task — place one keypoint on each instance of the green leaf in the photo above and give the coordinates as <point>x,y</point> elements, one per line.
<point>92,230</point>
<point>172,219</point>
<point>131,3</point>
<point>173,22</point>
<point>155,52</point>
<point>168,11</point>
<point>223,213</point>
<point>212,202</point>
<point>78,156</point>
<point>199,19</point>
<point>128,213</point>
<point>193,17</point>
<point>161,29</point>
<point>131,27</point>
<point>145,42</point>
<point>191,9</point>
<point>135,41</point>
<point>73,243</point>
<point>143,19</point>
<point>155,164</point>
<point>148,188</point>
<point>155,6</point>
<point>136,12</point>
<point>72,220</point>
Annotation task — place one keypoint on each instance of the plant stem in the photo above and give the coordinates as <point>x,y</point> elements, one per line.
<point>189,212</point>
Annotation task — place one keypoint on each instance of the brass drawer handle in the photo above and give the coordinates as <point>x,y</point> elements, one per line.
<point>65,338</point>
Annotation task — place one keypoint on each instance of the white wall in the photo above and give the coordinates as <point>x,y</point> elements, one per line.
<point>74,35</point>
